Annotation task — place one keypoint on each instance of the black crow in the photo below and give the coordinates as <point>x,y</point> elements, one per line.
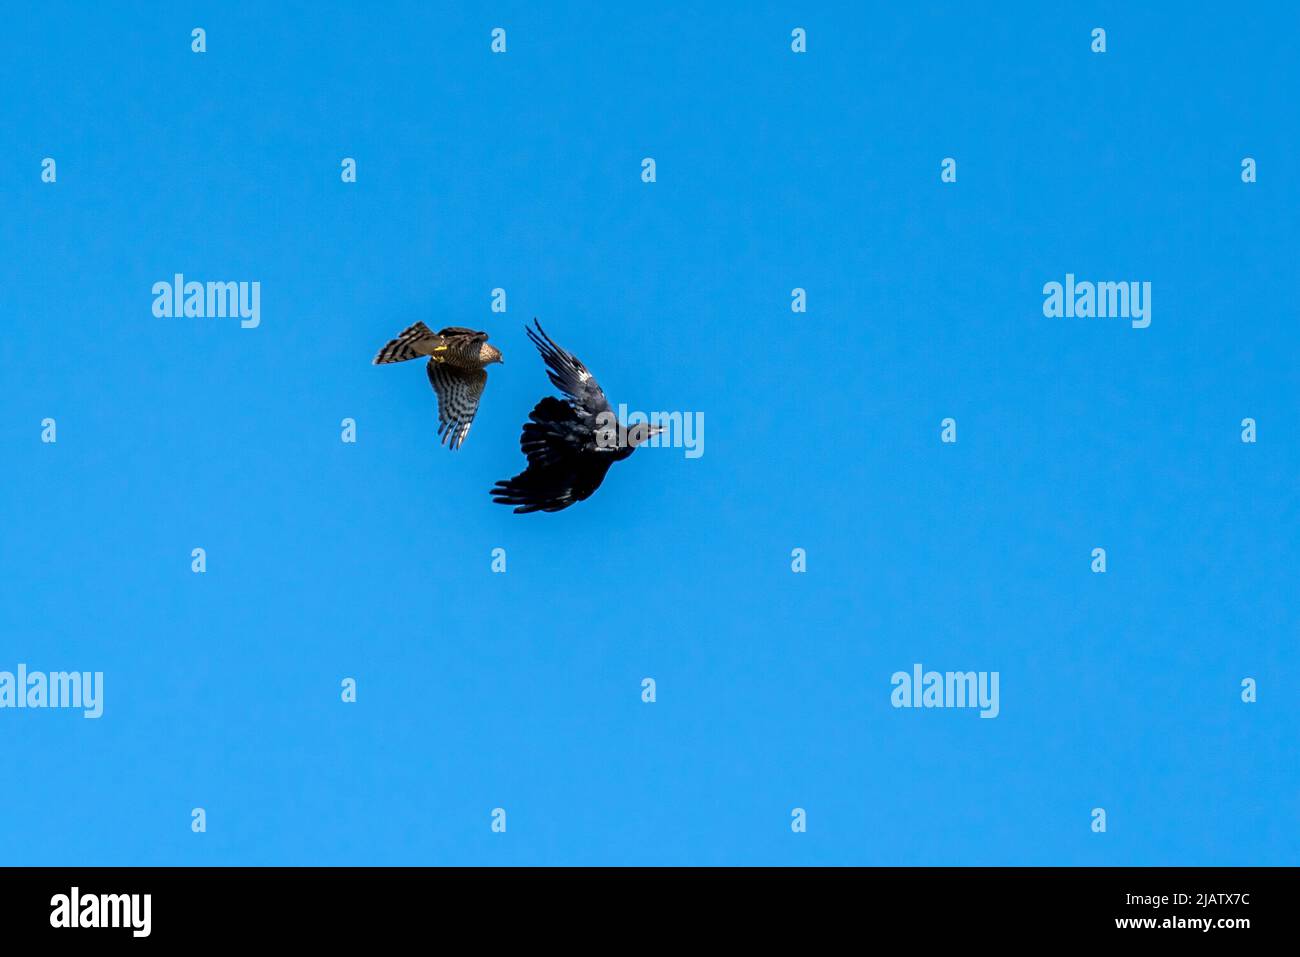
<point>570,443</point>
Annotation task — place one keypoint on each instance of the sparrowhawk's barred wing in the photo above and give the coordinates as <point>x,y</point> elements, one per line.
<point>458,393</point>
<point>414,341</point>
<point>459,332</point>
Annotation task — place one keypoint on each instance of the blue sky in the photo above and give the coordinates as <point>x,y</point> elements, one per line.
<point>522,690</point>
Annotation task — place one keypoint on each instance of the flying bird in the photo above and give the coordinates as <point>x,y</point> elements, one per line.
<point>571,442</point>
<point>457,367</point>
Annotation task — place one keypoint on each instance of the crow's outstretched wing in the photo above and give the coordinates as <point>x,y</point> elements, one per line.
<point>570,376</point>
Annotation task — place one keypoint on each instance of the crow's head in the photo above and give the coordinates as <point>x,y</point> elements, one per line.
<point>642,432</point>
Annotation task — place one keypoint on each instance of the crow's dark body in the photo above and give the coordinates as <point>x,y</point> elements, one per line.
<point>562,439</point>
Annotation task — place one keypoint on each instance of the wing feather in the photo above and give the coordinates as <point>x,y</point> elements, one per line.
<point>569,375</point>
<point>413,341</point>
<point>460,332</point>
<point>561,469</point>
<point>458,391</point>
